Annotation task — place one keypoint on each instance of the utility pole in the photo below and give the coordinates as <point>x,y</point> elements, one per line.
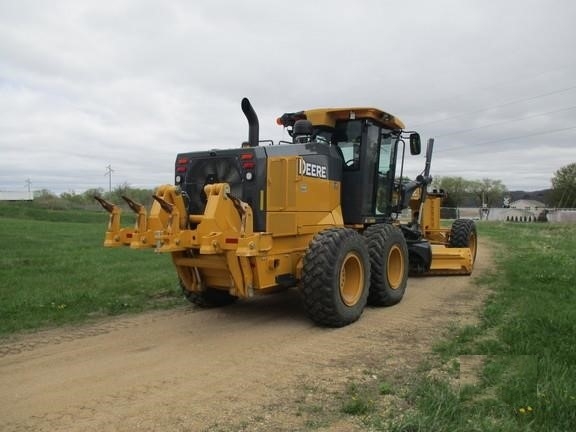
<point>108,173</point>
<point>28,183</point>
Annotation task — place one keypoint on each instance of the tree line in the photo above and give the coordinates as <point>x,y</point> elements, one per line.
<point>491,193</point>
<point>85,200</point>
<point>471,193</point>
<point>460,192</point>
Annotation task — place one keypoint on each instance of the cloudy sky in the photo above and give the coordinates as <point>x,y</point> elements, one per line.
<point>130,83</point>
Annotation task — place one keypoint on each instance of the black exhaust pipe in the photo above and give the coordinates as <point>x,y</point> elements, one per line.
<point>253,125</point>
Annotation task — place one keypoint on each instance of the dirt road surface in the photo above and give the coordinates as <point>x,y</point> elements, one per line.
<point>259,365</point>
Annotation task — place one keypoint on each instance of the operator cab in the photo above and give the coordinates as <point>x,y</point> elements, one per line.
<point>370,151</point>
<point>369,141</point>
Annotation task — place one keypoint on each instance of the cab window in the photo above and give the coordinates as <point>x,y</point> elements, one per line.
<point>348,136</point>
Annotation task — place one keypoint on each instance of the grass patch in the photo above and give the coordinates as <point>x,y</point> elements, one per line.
<point>358,400</point>
<point>54,271</point>
<point>527,337</point>
<point>31,211</point>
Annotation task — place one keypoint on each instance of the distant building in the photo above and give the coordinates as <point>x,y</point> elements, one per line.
<point>526,204</point>
<point>16,196</point>
<point>523,210</point>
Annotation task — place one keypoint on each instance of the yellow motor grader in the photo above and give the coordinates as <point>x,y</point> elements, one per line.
<point>320,212</point>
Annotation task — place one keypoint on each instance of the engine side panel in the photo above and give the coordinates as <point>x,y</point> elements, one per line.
<point>303,189</point>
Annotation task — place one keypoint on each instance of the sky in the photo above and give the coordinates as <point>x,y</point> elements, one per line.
<point>128,84</point>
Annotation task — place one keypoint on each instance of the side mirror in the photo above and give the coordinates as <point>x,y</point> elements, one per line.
<point>415,146</point>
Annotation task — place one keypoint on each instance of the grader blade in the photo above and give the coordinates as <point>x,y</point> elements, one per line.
<point>450,261</point>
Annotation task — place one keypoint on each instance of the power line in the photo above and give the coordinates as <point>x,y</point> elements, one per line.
<point>507,121</point>
<point>512,102</point>
<point>506,139</point>
<point>507,83</point>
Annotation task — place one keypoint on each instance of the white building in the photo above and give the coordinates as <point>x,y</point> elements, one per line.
<point>16,196</point>
<point>528,205</point>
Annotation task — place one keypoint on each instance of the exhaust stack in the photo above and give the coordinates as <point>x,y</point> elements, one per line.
<point>253,125</point>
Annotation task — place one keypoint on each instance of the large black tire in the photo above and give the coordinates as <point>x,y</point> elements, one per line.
<point>336,276</point>
<point>388,263</point>
<point>463,235</point>
<point>210,297</point>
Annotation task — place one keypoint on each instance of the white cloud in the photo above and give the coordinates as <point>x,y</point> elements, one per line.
<point>84,84</point>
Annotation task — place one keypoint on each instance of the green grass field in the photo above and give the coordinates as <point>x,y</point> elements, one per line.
<point>54,271</point>
<point>526,340</point>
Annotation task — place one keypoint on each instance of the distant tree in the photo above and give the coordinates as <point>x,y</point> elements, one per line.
<point>88,198</point>
<point>90,193</point>
<point>489,192</point>
<point>46,199</point>
<point>142,196</point>
<point>564,186</point>
<point>456,188</point>
<point>73,198</point>
<point>462,192</point>
<point>119,191</point>
<point>44,193</point>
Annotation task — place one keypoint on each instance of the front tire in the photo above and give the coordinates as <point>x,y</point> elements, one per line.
<point>388,263</point>
<point>335,278</point>
<point>463,235</point>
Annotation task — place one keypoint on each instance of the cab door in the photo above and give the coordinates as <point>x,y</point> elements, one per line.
<point>385,173</point>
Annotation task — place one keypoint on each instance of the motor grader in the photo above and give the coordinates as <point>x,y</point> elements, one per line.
<point>320,212</point>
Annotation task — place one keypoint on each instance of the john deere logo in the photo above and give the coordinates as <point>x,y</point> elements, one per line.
<point>312,170</point>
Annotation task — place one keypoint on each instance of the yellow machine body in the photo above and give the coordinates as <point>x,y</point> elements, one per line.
<point>295,197</point>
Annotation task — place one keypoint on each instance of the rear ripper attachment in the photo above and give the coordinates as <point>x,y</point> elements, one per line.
<point>223,233</point>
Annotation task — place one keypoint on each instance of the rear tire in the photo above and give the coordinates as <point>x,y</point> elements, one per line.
<point>208,298</point>
<point>463,235</point>
<point>336,275</point>
<point>388,263</point>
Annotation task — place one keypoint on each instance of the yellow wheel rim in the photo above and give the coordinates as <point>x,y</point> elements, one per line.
<point>395,267</point>
<point>351,279</point>
<point>473,246</point>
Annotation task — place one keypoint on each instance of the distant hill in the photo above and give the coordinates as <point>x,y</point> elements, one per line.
<point>541,195</point>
